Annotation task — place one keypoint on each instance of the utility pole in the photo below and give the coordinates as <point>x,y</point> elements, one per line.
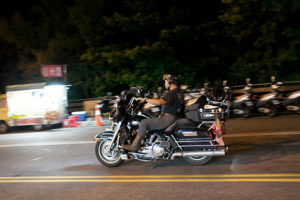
<point>65,70</point>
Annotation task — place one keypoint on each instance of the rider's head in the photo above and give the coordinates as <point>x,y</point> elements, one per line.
<point>170,79</point>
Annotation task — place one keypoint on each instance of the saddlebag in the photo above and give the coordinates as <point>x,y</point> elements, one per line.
<point>191,138</point>
<point>196,113</point>
<point>191,132</point>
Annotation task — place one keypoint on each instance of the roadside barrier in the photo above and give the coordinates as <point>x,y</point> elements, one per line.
<point>71,122</point>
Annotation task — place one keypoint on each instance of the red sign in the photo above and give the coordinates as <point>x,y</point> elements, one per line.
<point>52,71</point>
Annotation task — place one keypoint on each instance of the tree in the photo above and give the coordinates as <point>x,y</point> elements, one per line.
<point>265,38</point>
<point>113,44</point>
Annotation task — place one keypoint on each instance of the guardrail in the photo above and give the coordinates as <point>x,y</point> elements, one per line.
<point>268,89</point>
<point>268,84</point>
<point>78,104</point>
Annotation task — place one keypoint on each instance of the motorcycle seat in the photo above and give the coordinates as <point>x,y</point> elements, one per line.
<point>179,123</point>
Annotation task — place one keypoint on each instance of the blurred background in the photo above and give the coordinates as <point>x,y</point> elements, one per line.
<point>111,45</point>
<point>66,63</point>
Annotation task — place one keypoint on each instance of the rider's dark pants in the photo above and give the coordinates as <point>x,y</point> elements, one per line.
<point>158,123</point>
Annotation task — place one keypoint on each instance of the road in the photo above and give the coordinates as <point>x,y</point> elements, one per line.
<point>263,162</point>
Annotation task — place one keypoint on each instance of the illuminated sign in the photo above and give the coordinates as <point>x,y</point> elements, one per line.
<point>52,71</point>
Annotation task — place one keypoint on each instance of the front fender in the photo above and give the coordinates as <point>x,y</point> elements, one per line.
<point>104,135</point>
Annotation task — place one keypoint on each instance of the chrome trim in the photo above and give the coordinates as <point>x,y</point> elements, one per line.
<point>142,115</point>
<point>198,145</point>
<point>204,140</point>
<point>115,134</point>
<point>118,143</point>
<point>220,152</point>
<point>176,142</point>
<point>207,122</point>
<point>124,156</point>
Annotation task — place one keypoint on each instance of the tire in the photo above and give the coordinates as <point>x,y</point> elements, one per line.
<point>107,159</point>
<point>197,160</point>
<point>273,111</point>
<point>3,127</point>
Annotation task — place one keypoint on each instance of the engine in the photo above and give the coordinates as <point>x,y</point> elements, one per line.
<point>156,149</point>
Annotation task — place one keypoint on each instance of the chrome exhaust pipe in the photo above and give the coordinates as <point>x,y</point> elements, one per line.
<point>220,152</point>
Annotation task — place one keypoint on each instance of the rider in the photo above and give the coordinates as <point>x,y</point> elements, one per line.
<point>171,102</point>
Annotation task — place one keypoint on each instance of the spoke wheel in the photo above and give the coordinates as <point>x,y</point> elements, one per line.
<point>105,156</point>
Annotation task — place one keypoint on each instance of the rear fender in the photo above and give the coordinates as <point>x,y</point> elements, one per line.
<point>104,135</point>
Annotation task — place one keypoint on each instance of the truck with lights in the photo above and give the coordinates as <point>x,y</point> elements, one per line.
<point>38,105</point>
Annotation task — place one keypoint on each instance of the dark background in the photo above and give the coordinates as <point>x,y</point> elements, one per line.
<point>110,45</point>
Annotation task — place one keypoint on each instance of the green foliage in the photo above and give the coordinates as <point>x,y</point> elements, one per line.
<point>110,45</point>
<point>267,37</point>
<point>117,69</point>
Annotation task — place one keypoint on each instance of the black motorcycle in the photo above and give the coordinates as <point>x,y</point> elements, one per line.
<point>196,138</point>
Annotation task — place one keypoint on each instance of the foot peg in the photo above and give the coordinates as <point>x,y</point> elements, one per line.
<point>124,156</point>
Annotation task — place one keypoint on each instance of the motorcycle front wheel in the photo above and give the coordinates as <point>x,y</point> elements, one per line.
<point>197,160</point>
<point>106,157</point>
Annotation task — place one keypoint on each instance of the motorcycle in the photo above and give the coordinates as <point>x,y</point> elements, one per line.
<point>243,104</point>
<point>269,103</point>
<point>292,102</point>
<point>196,138</point>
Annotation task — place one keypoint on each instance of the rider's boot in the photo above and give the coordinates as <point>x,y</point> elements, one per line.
<point>135,144</point>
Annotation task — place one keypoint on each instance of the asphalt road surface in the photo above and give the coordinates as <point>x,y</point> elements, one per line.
<point>263,162</point>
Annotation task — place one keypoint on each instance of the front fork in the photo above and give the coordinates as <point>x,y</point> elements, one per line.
<point>117,128</point>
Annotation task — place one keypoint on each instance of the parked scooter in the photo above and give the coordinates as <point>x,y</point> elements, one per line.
<point>292,102</point>
<point>269,103</point>
<point>243,104</point>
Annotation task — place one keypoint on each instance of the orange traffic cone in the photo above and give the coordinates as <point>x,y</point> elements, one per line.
<point>98,116</point>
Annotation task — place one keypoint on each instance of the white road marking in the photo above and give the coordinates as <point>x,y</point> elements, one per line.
<point>36,159</point>
<point>90,142</point>
<point>46,144</point>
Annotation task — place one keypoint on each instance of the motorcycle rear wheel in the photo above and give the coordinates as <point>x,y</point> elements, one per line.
<point>108,159</point>
<point>197,160</point>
